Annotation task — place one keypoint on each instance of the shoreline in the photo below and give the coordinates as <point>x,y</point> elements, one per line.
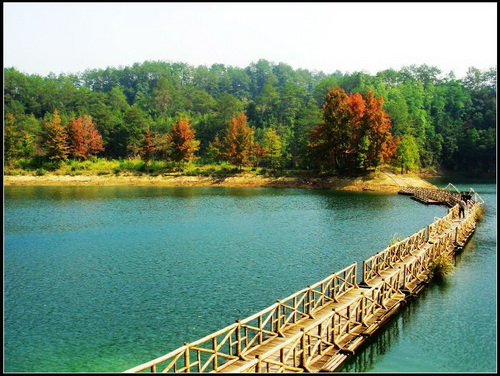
<point>380,181</point>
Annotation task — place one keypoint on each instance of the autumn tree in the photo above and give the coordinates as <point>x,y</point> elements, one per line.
<point>182,141</point>
<point>147,146</point>
<point>258,153</point>
<point>355,133</point>
<point>84,138</point>
<point>56,139</point>
<point>239,141</point>
<point>381,146</point>
<point>329,142</point>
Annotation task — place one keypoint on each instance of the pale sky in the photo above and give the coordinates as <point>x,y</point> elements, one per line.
<point>72,37</point>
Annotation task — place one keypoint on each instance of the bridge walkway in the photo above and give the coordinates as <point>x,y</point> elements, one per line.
<point>317,328</point>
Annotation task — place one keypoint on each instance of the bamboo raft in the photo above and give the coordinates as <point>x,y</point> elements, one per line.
<point>317,328</point>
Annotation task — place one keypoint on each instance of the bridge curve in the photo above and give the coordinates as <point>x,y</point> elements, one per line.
<point>317,328</point>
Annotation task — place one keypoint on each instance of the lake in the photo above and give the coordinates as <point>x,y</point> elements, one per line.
<point>100,279</point>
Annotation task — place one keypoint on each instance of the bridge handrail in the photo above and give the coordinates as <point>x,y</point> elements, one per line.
<point>306,301</point>
<point>377,263</point>
<point>152,363</point>
<point>231,343</point>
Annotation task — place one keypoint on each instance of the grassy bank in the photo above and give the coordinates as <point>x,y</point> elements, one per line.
<point>137,167</point>
<point>158,173</point>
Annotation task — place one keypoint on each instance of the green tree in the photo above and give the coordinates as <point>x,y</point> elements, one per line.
<point>272,145</point>
<point>12,139</point>
<point>135,125</point>
<point>407,153</point>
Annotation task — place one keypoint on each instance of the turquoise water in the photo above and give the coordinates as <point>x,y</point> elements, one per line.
<point>105,278</point>
<point>451,326</point>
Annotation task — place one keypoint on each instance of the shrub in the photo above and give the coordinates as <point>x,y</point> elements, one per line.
<point>40,172</point>
<point>441,266</point>
<point>479,214</point>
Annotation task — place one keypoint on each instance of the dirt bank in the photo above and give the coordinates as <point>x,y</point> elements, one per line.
<point>380,181</point>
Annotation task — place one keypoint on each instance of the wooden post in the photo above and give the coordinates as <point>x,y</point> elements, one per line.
<point>260,329</point>
<point>186,357</point>
<point>334,287</point>
<point>348,311</point>
<point>278,325</point>
<point>258,365</point>
<point>362,309</point>
<point>294,309</point>
<point>303,345</point>
<point>238,338</point>
<point>214,347</point>
<point>354,272</point>
<point>363,277</point>
<point>309,300</point>
<point>332,339</point>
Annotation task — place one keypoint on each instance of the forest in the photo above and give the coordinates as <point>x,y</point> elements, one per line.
<point>265,114</point>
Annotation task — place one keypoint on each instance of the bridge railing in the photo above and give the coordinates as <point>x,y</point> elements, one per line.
<point>436,228</point>
<point>386,259</point>
<point>204,355</point>
<point>304,302</point>
<point>236,341</point>
<point>440,195</point>
<point>468,225</point>
<point>413,272</point>
<point>259,328</point>
<point>312,342</point>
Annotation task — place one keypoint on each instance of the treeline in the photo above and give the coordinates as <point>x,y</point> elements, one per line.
<point>433,120</point>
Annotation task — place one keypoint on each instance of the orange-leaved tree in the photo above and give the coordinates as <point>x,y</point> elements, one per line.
<point>382,145</point>
<point>147,146</point>
<point>355,134</point>
<point>182,141</point>
<point>239,141</point>
<point>56,139</point>
<point>84,138</point>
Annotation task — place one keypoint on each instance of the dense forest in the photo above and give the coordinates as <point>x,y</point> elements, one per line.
<point>265,114</point>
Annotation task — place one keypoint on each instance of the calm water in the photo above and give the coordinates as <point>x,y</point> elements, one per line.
<point>105,278</point>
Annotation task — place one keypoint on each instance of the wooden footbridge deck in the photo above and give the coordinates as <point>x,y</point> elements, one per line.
<point>317,328</point>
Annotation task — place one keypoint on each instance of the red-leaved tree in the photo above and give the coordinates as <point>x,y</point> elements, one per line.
<point>148,146</point>
<point>182,141</point>
<point>355,134</point>
<point>85,140</point>
<point>239,141</point>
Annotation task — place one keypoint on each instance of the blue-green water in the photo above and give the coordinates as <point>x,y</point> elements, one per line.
<point>451,326</point>
<point>105,278</point>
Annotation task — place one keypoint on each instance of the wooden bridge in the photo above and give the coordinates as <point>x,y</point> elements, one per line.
<point>318,327</point>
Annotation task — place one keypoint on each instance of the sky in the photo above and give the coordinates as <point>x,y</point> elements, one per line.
<point>40,38</point>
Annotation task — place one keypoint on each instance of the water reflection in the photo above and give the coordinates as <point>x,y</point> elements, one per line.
<point>374,347</point>
<point>388,337</point>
